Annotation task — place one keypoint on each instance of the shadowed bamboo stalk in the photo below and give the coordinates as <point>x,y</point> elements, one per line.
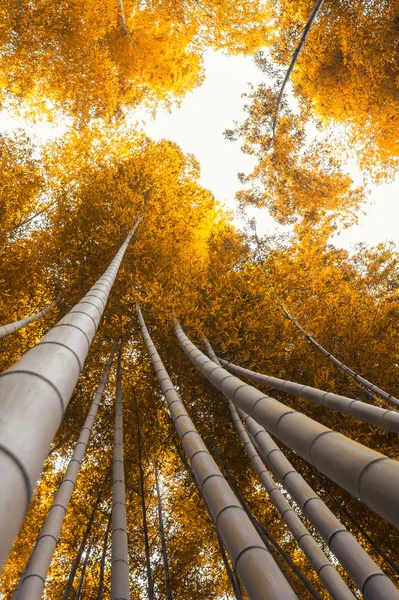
<point>34,394</point>
<point>79,591</point>
<point>33,579</point>
<point>165,559</point>
<point>103,558</point>
<point>120,587</point>
<point>361,381</point>
<point>384,418</point>
<point>353,466</point>
<point>367,576</point>
<point>6,330</point>
<point>298,49</point>
<point>252,562</point>
<point>366,474</point>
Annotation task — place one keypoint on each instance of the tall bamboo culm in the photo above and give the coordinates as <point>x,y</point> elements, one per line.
<point>165,558</point>
<point>120,587</point>
<point>340,458</point>
<point>6,330</point>
<point>382,417</point>
<point>33,579</point>
<point>319,561</point>
<point>255,567</point>
<point>34,394</point>
<point>366,474</point>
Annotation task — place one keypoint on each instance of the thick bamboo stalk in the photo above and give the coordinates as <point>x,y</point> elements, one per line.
<point>384,418</point>
<point>165,559</point>
<point>103,558</point>
<point>6,330</point>
<point>369,579</point>
<point>34,394</point>
<point>229,571</point>
<point>78,558</point>
<point>120,586</point>
<point>150,580</point>
<point>367,385</point>
<point>366,474</point>
<point>33,579</point>
<point>254,565</point>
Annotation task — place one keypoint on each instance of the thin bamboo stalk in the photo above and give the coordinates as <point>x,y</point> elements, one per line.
<point>384,418</point>
<point>120,586</point>
<point>103,558</point>
<point>6,330</point>
<point>165,559</point>
<point>343,460</point>
<point>33,579</point>
<point>254,565</point>
<point>79,591</point>
<point>370,580</point>
<point>34,394</point>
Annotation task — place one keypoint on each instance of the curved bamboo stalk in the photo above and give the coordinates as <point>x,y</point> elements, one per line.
<point>382,417</point>
<point>370,580</point>
<point>254,565</point>
<point>120,587</point>
<point>34,394</point>
<point>366,474</point>
<point>361,381</point>
<point>6,330</point>
<point>298,49</point>
<point>33,579</point>
<point>343,460</point>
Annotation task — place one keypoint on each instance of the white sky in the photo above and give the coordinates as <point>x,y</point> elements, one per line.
<point>198,125</point>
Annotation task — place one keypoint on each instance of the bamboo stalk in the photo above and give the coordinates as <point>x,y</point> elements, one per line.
<point>165,559</point>
<point>6,330</point>
<point>33,579</point>
<point>34,394</point>
<point>253,563</point>
<point>103,558</point>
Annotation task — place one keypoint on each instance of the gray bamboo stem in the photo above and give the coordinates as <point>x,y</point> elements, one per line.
<point>33,579</point>
<point>165,559</point>
<point>6,330</point>
<point>363,472</point>
<point>150,580</point>
<point>253,563</point>
<point>298,49</point>
<point>370,580</point>
<point>387,419</point>
<point>361,381</point>
<point>34,394</point>
<point>103,558</point>
<point>78,558</point>
<point>120,586</point>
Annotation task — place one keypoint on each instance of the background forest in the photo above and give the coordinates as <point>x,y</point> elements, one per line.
<point>67,205</point>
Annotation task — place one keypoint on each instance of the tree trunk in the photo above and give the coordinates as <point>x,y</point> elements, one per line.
<point>32,581</point>
<point>253,563</point>
<point>150,581</point>
<point>169,595</point>
<point>79,591</point>
<point>103,557</point>
<point>78,558</point>
<point>42,383</point>
<point>6,330</point>
<point>344,460</point>
<point>368,413</point>
<point>120,586</point>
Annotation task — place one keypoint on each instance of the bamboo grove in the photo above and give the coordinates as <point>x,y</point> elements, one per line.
<point>189,410</point>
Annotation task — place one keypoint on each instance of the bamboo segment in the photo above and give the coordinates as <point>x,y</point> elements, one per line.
<point>165,558</point>
<point>6,330</point>
<point>33,579</point>
<point>387,419</point>
<point>254,565</point>
<point>369,579</point>
<point>34,394</point>
<point>366,474</point>
<point>120,587</point>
